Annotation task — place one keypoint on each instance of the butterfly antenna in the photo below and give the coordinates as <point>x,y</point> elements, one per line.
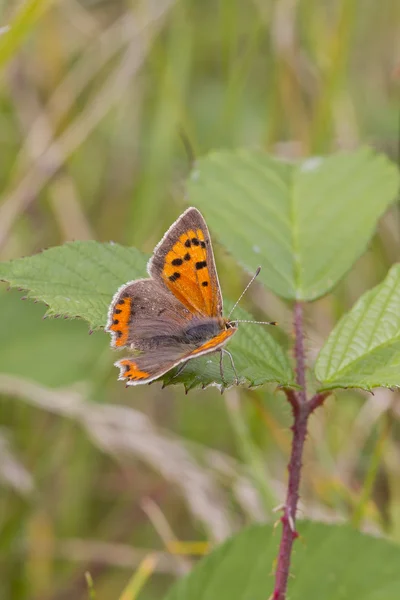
<point>245,290</point>
<point>256,322</point>
<point>241,296</point>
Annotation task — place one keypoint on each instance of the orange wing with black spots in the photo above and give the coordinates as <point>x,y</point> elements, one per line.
<point>119,320</point>
<point>175,315</point>
<point>140,311</point>
<point>184,261</point>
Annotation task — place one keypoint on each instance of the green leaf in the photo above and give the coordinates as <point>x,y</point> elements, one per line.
<point>305,224</point>
<point>335,561</point>
<point>79,279</point>
<point>364,348</point>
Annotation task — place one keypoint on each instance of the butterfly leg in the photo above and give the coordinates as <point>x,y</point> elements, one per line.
<point>232,363</point>
<point>180,369</point>
<point>221,367</point>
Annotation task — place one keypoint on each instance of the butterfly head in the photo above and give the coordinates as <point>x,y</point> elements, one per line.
<point>229,324</point>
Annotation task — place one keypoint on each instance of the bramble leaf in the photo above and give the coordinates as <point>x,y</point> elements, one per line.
<point>364,348</point>
<point>337,559</point>
<point>305,224</point>
<point>77,279</point>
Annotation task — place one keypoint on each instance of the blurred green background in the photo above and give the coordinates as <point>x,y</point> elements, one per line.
<point>103,105</point>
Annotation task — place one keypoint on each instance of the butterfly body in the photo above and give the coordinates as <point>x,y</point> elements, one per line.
<point>176,314</point>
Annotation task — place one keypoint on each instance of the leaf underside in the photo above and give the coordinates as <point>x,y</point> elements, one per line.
<point>330,562</point>
<point>79,279</point>
<point>305,224</point>
<point>363,350</point>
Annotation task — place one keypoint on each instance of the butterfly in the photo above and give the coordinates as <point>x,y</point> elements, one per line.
<point>176,314</point>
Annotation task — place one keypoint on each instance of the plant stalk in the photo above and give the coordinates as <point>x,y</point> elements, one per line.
<point>288,519</point>
<point>301,411</point>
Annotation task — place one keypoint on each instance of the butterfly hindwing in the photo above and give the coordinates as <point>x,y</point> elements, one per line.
<point>162,354</point>
<point>142,310</point>
<point>143,369</point>
<point>184,262</point>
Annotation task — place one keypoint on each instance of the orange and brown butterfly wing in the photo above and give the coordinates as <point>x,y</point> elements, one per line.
<point>143,316</point>
<point>184,262</point>
<point>140,311</point>
<point>158,360</point>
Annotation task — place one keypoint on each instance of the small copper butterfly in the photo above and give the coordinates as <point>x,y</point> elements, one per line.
<point>176,314</point>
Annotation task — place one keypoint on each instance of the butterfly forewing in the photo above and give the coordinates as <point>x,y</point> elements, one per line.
<point>184,261</point>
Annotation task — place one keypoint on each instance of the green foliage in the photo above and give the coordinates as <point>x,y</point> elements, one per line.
<point>79,279</point>
<point>305,224</point>
<point>364,348</point>
<point>340,561</point>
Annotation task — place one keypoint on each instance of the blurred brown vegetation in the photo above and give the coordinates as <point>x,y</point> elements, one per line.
<point>102,105</point>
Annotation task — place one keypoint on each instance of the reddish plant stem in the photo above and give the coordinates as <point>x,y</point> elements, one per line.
<point>302,409</point>
<point>289,533</point>
<point>317,400</point>
<point>301,412</point>
<point>293,400</point>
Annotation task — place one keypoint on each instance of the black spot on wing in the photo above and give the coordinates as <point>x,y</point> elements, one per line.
<point>201,264</point>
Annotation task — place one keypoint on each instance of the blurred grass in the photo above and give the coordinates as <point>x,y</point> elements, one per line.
<point>95,102</point>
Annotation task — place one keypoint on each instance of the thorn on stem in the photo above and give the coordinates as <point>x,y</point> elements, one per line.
<point>291,523</point>
<point>279,507</point>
